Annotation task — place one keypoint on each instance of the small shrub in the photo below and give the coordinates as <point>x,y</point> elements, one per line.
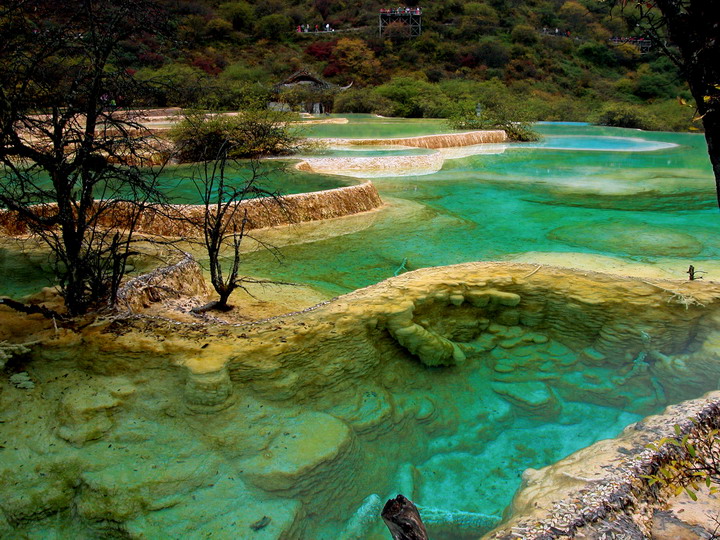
<point>524,34</point>
<point>202,136</point>
<point>627,116</point>
<point>497,116</point>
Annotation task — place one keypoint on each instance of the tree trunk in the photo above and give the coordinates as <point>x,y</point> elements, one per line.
<point>693,27</point>
<point>403,519</point>
<point>222,303</point>
<point>711,123</point>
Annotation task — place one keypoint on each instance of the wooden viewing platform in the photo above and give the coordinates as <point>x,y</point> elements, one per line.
<point>645,45</point>
<point>407,16</point>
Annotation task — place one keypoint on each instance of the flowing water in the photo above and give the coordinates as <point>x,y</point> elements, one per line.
<point>530,400</point>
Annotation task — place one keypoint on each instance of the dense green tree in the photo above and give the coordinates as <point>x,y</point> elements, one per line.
<point>522,33</point>
<point>357,61</point>
<point>574,16</point>
<point>273,27</point>
<point>239,14</point>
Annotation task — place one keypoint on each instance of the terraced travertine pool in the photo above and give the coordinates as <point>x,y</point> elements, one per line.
<point>456,438</point>
<point>582,191</point>
<point>586,190</point>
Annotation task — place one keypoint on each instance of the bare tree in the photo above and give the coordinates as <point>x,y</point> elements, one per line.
<point>225,224</point>
<point>688,32</point>
<point>216,143</point>
<point>75,169</point>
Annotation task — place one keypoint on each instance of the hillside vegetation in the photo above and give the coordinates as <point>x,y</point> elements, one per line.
<point>230,54</point>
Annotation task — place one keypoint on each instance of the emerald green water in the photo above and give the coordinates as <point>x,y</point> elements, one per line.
<point>181,188</point>
<point>640,206</point>
<point>640,197</point>
<point>364,126</point>
<point>607,198</point>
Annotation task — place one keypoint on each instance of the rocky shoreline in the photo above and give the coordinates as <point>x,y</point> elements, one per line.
<point>602,489</point>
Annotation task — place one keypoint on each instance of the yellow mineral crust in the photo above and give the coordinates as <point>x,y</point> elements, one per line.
<point>137,417</point>
<point>432,314</point>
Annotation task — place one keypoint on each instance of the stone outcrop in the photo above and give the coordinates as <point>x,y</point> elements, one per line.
<point>85,415</point>
<point>181,279</point>
<point>289,464</point>
<point>208,392</point>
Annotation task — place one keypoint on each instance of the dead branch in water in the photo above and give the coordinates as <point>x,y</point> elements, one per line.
<point>31,309</point>
<point>403,519</point>
<point>678,297</point>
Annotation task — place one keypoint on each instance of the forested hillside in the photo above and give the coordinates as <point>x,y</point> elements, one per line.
<point>552,58</point>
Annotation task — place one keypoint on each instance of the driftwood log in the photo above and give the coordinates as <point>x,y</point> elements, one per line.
<point>403,519</point>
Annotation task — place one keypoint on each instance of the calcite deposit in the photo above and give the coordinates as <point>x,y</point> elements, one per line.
<point>186,219</point>
<point>443,384</point>
<point>446,140</point>
<point>370,167</point>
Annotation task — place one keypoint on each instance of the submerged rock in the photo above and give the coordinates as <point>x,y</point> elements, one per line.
<point>627,237</point>
<point>535,398</point>
<point>85,414</point>
<point>367,515</point>
<point>306,453</point>
<point>22,381</point>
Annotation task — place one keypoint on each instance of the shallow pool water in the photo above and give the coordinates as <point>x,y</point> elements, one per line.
<point>659,196</point>
<point>365,126</point>
<point>642,205</point>
<point>599,144</point>
<point>181,183</point>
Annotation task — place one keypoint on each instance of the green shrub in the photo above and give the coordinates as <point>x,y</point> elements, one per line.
<point>203,136</point>
<point>362,100</point>
<point>522,33</point>
<point>411,98</point>
<point>498,116</point>
<point>653,84</point>
<point>218,29</point>
<point>493,53</point>
<point>673,116</point>
<point>240,14</point>
<point>274,27</point>
<point>627,116</point>
<point>597,53</point>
